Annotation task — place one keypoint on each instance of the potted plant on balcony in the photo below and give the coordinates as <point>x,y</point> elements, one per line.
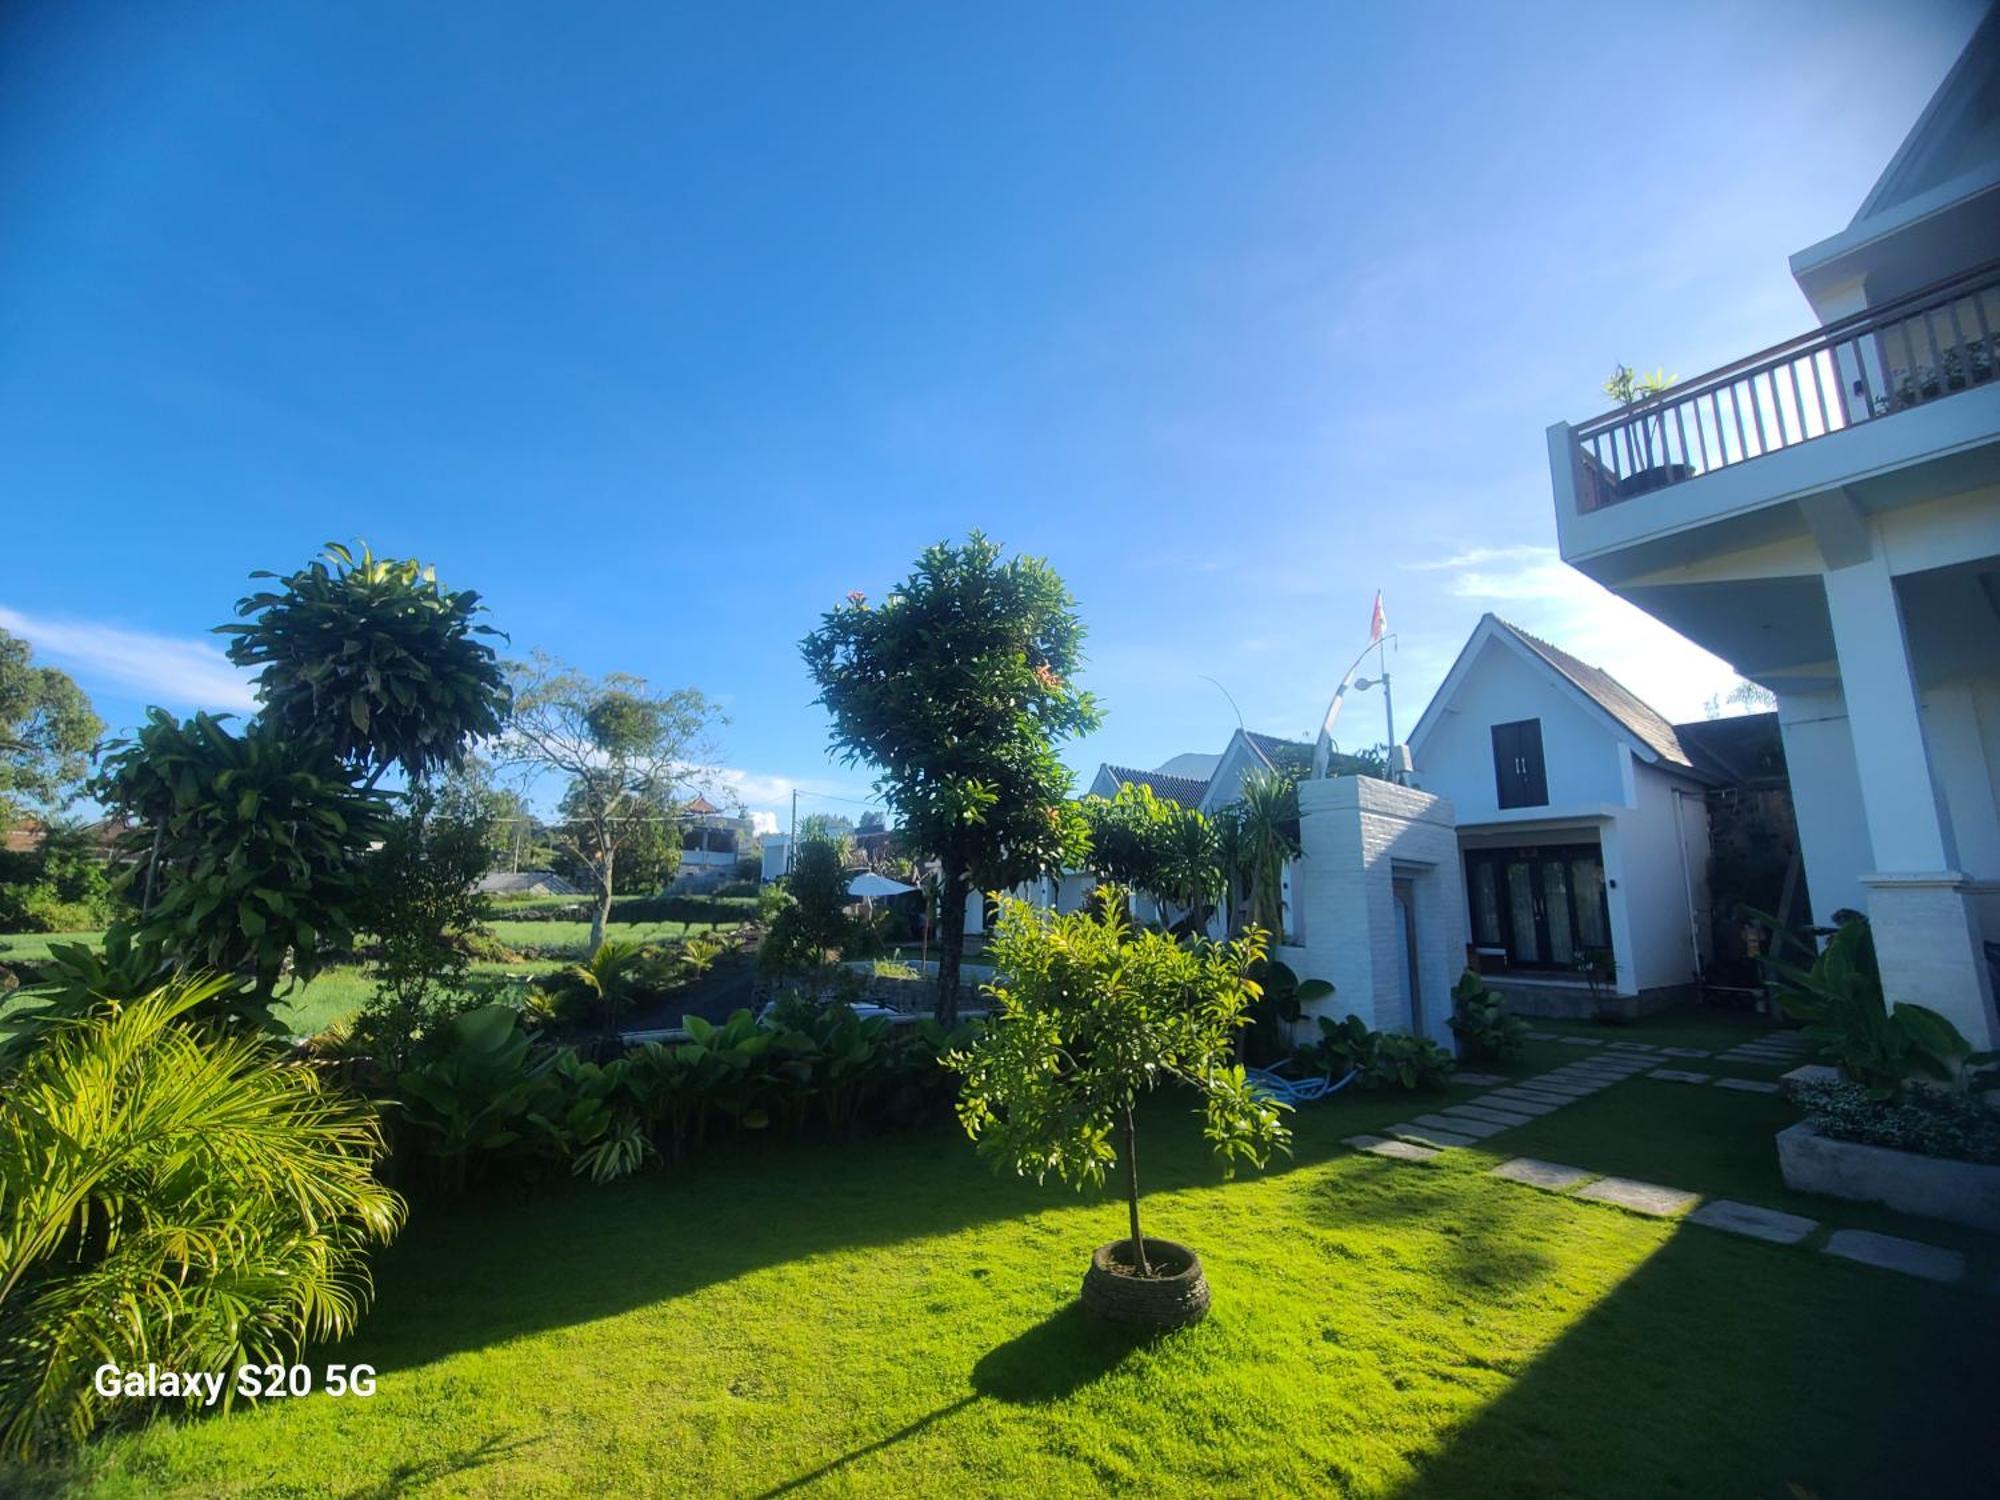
<point>1088,1015</point>
<point>1649,462</point>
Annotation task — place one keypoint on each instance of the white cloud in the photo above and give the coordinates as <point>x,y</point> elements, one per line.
<point>1532,587</point>
<point>158,668</point>
<point>764,822</point>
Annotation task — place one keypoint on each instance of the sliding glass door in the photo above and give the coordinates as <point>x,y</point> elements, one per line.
<point>1544,906</point>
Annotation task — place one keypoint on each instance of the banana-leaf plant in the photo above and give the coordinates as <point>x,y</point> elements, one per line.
<point>479,1093</point>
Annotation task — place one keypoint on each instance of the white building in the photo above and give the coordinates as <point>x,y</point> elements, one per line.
<point>1582,826</point>
<point>1825,516</point>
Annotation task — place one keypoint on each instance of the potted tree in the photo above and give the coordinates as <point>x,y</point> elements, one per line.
<point>1088,1015</point>
<point>1645,429</point>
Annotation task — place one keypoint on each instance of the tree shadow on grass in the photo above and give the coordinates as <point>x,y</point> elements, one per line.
<point>901,1434</point>
<point>407,1477</point>
<point>1060,1355</point>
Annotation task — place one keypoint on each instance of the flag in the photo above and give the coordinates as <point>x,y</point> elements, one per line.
<point>1377,622</point>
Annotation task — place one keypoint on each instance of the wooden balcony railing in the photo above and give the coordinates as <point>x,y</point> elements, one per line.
<point>1881,361</point>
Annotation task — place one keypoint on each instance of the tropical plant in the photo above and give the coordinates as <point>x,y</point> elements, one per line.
<point>1643,433</point>
<point>1279,1006</point>
<point>814,924</point>
<point>373,657</point>
<point>1479,1019</point>
<point>700,952</point>
<point>250,847</point>
<point>77,980</point>
<point>1927,1121</point>
<point>1882,1048</point>
<point>957,688</point>
<point>47,730</point>
<point>474,1090</point>
<point>1381,1058</point>
<point>1089,1014</point>
<point>1266,839</point>
<point>623,751</point>
<point>1167,852</point>
<point>173,1196</point>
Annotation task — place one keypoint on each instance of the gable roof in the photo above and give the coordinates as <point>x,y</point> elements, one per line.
<point>1185,790</point>
<point>1608,693</point>
<point>700,806</point>
<point>1744,750</point>
<point>1275,751</point>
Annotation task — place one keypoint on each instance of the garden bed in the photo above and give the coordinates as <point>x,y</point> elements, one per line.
<point>1933,1187</point>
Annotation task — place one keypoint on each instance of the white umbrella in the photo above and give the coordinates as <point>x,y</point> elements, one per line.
<point>868,886</point>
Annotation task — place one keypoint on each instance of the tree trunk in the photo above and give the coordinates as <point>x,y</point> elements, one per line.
<point>952,895</point>
<point>600,912</point>
<point>1132,1192</point>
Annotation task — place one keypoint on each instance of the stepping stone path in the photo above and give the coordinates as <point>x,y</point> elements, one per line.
<point>1641,1197</point>
<point>1478,1080</point>
<point>1747,1085</point>
<point>1488,1114</point>
<point>1812,1073</point>
<point>1892,1254</point>
<point>1759,1223</point>
<point>1424,1136</point>
<point>1542,1174</point>
<point>1478,1129</point>
<point>1773,1048</point>
<point>1680,1075</point>
<point>1394,1150</point>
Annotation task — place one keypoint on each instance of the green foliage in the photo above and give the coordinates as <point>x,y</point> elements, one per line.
<point>1167,851</point>
<point>1479,1019</point>
<point>174,1196</point>
<point>812,926</point>
<point>1087,1016</point>
<point>374,658</point>
<point>474,1089</point>
<point>1840,999</point>
<point>1926,1121</point>
<point>1278,1007</point>
<point>1384,1059</point>
<point>63,884</point>
<point>252,845</point>
<point>1260,833</point>
<point>621,973</point>
<point>47,730</point>
<point>420,903</point>
<point>957,688</point>
<point>622,752</point>
<point>77,980</point>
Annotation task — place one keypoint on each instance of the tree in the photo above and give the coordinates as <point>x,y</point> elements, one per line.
<point>249,847</point>
<point>47,731</point>
<point>422,896</point>
<point>957,689</point>
<point>872,822</point>
<point>1168,852</point>
<point>814,922</point>
<point>374,657</point>
<point>829,828</point>
<point>624,751</point>
<point>1751,697</point>
<point>1264,837</point>
<point>1089,1014</point>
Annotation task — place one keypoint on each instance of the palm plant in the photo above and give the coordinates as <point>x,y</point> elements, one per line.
<point>173,1196</point>
<point>1268,820</point>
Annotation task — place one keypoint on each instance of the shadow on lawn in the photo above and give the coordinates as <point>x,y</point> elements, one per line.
<point>406,1477</point>
<point>1726,1367</point>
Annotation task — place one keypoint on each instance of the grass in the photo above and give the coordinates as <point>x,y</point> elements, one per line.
<point>883,1316</point>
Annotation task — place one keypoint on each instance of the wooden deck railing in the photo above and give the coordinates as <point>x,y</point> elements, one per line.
<point>1930,344</point>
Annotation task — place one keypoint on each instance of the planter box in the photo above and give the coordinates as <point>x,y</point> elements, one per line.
<point>1933,1187</point>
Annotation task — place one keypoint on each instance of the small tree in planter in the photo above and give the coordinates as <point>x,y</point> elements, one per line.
<point>1088,1015</point>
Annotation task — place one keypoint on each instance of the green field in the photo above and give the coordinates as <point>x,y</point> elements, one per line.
<point>883,1316</point>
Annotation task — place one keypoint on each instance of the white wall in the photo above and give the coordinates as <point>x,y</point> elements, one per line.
<point>1655,884</point>
<point>1579,748</point>
<point>1826,794</point>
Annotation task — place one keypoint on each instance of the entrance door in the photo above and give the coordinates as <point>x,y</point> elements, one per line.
<point>1545,905</point>
<point>1406,954</point>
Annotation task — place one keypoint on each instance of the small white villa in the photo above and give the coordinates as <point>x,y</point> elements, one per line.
<point>1824,515</point>
<point>1583,827</point>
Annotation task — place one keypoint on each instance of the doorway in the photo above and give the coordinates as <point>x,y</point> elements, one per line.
<point>1406,953</point>
<point>1544,905</point>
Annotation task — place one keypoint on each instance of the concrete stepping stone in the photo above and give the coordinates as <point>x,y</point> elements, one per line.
<point>1568,1086</point>
<point>1544,1036</point>
<point>1394,1150</point>
<point>1479,1080</point>
<point>1641,1197</point>
<point>1680,1075</point>
<point>1542,1174</point>
<point>1685,1051</point>
<point>1478,1129</point>
<point>1513,1104</point>
<point>1747,1085</point>
<point>1812,1073</point>
<point>1488,1115</point>
<point>1581,1041</point>
<point>1426,1137</point>
<point>1629,1046</point>
<point>1535,1097</point>
<point>1911,1257</point>
<point>1759,1223</point>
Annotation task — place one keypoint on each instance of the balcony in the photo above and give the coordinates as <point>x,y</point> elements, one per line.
<point>1860,371</point>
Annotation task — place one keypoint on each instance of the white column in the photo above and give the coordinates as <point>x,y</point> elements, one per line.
<point>1925,918</point>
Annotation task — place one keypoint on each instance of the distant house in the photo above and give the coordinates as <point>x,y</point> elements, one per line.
<point>526,883</point>
<point>712,842</point>
<point>1583,823</point>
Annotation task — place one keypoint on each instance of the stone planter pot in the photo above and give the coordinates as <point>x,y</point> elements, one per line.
<point>1174,1296</point>
<point>1933,1187</point>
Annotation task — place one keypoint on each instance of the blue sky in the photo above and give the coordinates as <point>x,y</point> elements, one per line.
<point>664,327</point>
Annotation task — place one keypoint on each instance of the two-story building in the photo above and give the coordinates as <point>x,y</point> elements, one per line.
<point>1824,515</point>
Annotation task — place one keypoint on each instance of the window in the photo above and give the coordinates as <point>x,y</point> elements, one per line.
<point>1519,774</point>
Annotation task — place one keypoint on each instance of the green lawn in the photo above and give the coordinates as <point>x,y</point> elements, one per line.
<point>882,1316</point>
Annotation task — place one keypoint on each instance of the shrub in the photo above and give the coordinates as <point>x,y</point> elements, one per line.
<point>1381,1058</point>
<point>1926,1121</point>
<point>1480,1021</point>
<point>172,1196</point>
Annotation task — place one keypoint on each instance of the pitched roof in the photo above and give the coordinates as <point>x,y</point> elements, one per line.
<point>1185,790</point>
<point>701,807</point>
<point>1743,750</point>
<point>1611,695</point>
<point>1273,749</point>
